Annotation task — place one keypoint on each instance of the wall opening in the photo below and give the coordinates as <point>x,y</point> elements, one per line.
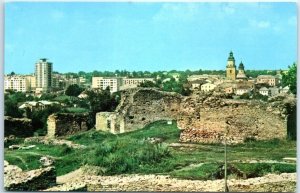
<point>108,124</point>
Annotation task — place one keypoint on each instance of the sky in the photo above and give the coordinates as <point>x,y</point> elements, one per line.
<point>149,36</point>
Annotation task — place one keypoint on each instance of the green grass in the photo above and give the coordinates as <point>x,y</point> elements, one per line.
<point>62,98</point>
<point>65,158</point>
<point>259,169</point>
<point>91,137</point>
<point>205,172</point>
<point>212,171</point>
<point>132,153</point>
<point>76,110</point>
<point>168,133</point>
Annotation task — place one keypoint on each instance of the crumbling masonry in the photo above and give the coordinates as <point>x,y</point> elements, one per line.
<point>202,117</point>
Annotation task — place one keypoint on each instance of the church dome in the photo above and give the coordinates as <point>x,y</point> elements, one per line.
<point>241,66</point>
<point>231,58</point>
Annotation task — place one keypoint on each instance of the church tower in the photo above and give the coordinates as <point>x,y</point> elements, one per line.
<point>230,68</point>
<point>241,74</point>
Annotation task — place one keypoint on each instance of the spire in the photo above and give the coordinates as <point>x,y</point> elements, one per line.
<point>241,66</point>
<point>231,58</point>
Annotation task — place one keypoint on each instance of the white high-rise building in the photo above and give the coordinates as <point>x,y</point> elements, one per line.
<point>43,74</point>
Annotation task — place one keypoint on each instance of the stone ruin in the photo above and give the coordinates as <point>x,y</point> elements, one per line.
<point>19,127</point>
<point>62,124</point>
<point>202,117</point>
<point>137,108</point>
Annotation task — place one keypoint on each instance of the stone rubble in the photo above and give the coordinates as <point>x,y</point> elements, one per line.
<point>160,183</point>
<point>17,180</point>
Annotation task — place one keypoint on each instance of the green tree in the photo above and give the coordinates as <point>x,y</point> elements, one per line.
<point>73,90</point>
<point>39,118</point>
<point>148,84</point>
<point>290,78</point>
<point>101,101</point>
<point>11,109</point>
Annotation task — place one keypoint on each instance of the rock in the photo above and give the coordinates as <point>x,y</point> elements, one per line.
<point>14,147</point>
<point>34,180</point>
<point>46,161</point>
<point>28,147</point>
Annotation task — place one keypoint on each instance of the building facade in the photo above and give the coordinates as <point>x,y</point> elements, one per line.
<point>207,87</point>
<point>43,74</point>
<point>264,91</point>
<point>268,79</point>
<point>104,82</point>
<point>31,79</point>
<point>17,83</point>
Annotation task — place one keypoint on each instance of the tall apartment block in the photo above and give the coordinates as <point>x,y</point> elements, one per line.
<point>43,74</point>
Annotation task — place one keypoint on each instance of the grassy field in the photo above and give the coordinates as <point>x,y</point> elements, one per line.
<point>133,153</point>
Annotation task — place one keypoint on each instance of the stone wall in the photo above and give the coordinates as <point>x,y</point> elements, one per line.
<point>203,117</point>
<point>240,119</point>
<point>19,127</point>
<point>139,107</point>
<point>62,124</point>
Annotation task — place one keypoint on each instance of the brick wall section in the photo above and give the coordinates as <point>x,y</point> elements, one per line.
<point>201,116</point>
<point>139,107</point>
<point>19,127</point>
<point>243,119</point>
<point>63,124</point>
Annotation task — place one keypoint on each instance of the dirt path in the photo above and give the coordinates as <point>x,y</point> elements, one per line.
<point>77,180</point>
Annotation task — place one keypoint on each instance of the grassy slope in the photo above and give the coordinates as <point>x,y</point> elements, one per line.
<point>133,155</point>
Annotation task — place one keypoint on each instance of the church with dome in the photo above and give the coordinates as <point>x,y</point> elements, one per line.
<point>231,71</point>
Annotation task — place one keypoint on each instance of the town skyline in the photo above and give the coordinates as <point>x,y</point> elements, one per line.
<point>149,36</point>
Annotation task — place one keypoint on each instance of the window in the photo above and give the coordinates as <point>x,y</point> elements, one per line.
<point>108,124</point>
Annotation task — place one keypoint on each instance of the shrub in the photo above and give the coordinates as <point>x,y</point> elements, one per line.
<point>125,155</point>
<point>65,150</point>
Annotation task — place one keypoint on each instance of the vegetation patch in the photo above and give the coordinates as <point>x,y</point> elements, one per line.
<point>133,152</point>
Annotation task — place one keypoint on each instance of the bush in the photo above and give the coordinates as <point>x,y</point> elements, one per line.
<point>65,150</point>
<point>252,170</point>
<point>125,155</point>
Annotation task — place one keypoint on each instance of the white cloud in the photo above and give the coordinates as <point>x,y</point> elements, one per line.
<point>260,24</point>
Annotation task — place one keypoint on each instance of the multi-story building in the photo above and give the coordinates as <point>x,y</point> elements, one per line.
<point>17,83</point>
<point>31,79</point>
<point>70,81</point>
<point>268,79</point>
<point>43,74</point>
<point>113,83</point>
<point>136,81</point>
